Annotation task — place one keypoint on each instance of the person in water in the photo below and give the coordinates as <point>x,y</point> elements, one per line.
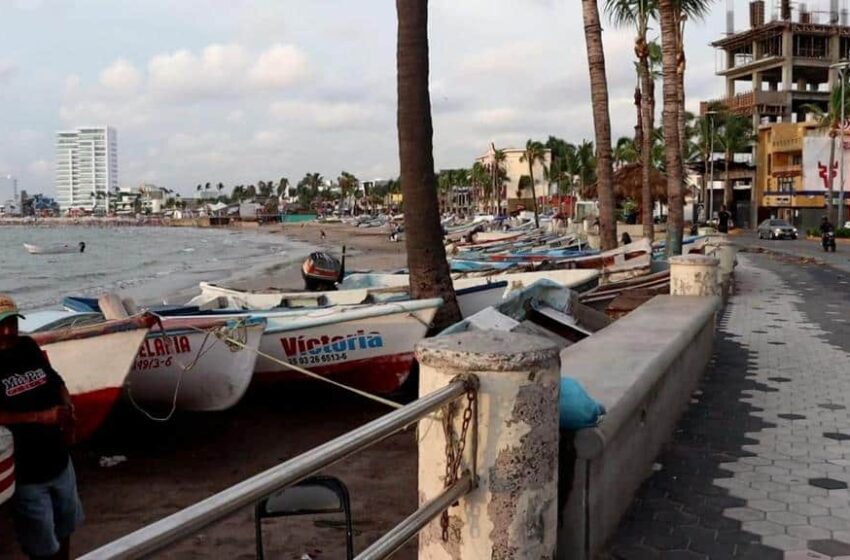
<point>36,407</point>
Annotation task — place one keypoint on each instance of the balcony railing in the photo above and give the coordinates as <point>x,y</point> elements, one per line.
<point>765,102</point>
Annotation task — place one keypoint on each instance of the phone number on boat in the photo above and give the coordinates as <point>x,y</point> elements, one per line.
<point>311,359</point>
<point>153,363</point>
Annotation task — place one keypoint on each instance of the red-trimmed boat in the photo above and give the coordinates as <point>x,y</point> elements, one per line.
<point>94,361</point>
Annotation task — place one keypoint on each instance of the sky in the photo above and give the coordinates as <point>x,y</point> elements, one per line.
<point>239,91</point>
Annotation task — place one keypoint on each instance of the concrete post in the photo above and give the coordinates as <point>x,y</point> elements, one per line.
<point>694,275</point>
<point>514,511</point>
<point>7,465</point>
<point>721,248</point>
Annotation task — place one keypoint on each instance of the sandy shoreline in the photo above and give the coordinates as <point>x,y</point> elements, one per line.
<point>170,466</point>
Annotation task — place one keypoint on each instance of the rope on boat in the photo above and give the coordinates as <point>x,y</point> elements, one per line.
<point>219,333</point>
<point>299,369</point>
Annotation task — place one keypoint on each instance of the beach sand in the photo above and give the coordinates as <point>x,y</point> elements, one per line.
<point>173,465</point>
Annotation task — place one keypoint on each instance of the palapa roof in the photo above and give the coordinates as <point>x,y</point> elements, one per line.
<point>628,184</point>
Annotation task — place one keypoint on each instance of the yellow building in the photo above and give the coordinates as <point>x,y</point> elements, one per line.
<point>791,178</point>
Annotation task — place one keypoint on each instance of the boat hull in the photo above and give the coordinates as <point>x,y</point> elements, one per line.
<point>212,374</point>
<point>373,354</point>
<point>94,365</point>
<point>7,465</point>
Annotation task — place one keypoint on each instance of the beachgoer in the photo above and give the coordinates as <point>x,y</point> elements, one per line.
<point>36,407</point>
<point>723,218</point>
<point>322,234</point>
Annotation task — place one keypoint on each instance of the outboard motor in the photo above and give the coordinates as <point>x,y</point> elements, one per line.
<point>82,246</point>
<point>321,271</point>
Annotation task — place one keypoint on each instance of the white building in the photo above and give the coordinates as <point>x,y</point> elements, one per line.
<point>86,168</point>
<point>515,167</point>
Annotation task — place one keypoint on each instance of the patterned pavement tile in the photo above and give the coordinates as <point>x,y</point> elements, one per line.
<point>759,465</point>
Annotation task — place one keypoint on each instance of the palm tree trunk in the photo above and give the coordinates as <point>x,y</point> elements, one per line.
<point>728,192</point>
<point>680,77</point>
<point>670,117</point>
<point>601,123</point>
<point>426,255</point>
<point>830,176</point>
<point>647,119</point>
<point>533,194</point>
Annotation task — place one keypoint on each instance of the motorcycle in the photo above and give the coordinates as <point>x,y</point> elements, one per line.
<point>828,241</point>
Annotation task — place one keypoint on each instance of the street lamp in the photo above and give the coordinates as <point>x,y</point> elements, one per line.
<point>842,68</point>
<point>711,166</point>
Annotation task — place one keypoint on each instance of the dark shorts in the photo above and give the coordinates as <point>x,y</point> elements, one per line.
<point>46,513</point>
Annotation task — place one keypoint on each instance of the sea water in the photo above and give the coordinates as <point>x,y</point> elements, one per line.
<point>149,264</point>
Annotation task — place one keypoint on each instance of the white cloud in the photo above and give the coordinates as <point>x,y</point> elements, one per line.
<point>236,117</point>
<point>327,115</point>
<point>121,77</point>
<point>279,67</point>
<point>7,70</point>
<point>40,168</point>
<point>217,71</point>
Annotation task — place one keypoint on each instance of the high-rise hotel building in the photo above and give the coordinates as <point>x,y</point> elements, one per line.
<point>86,168</point>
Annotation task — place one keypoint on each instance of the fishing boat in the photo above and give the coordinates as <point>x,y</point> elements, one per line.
<point>55,249</point>
<point>544,308</point>
<point>94,361</point>
<point>577,280</point>
<point>7,465</point>
<point>366,346</point>
<point>471,298</point>
<point>188,362</point>
<point>194,361</point>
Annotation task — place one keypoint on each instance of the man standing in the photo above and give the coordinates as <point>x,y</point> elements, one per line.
<point>36,407</point>
<point>723,218</point>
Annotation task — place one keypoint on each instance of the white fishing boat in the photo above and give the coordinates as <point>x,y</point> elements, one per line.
<point>205,371</point>
<point>578,280</point>
<point>367,346</point>
<point>186,361</point>
<point>55,249</point>
<point>94,360</point>
<point>473,294</point>
<point>7,465</point>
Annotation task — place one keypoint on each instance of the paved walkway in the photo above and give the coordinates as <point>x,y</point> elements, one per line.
<point>760,463</point>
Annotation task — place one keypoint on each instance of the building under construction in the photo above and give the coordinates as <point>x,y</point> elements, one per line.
<point>780,64</point>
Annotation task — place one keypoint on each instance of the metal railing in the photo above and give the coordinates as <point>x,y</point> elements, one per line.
<point>190,520</point>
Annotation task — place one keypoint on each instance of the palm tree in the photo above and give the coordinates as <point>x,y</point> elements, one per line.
<point>735,135</point>
<point>282,185</point>
<point>199,188</point>
<point>426,255</point>
<point>639,13</point>
<point>625,152</point>
<point>683,10</point>
<point>670,119</point>
<point>601,123</point>
<point>480,178</point>
<point>348,185</point>
<point>830,119</point>
<point>207,187</point>
<point>496,171</point>
<point>584,163</point>
<point>702,146</point>
<point>534,152</point>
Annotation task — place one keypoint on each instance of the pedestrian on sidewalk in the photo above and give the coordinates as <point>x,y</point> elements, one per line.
<point>723,218</point>
<point>37,409</point>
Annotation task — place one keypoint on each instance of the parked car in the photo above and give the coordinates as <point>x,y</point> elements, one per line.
<point>776,229</point>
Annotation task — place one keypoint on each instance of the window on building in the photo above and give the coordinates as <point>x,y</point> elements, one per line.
<point>785,184</point>
<point>797,159</point>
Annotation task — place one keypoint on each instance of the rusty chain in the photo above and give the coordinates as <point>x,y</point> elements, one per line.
<point>454,451</point>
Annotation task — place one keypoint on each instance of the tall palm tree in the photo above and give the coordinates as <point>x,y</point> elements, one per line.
<point>426,255</point>
<point>601,123</point>
<point>584,164</point>
<point>496,171</point>
<point>733,136</point>
<point>685,10</point>
<point>639,13</point>
<point>625,151</point>
<point>702,146</point>
<point>670,118</point>
<point>480,179</point>
<point>534,152</point>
